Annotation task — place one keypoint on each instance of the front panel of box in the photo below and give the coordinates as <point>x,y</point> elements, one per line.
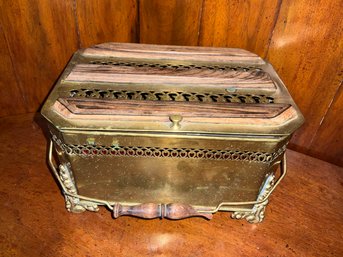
<point>153,168</point>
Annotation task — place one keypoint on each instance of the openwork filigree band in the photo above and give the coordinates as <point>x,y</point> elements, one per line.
<point>139,151</point>
<point>170,96</point>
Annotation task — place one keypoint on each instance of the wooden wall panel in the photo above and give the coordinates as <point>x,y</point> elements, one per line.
<point>102,21</point>
<point>173,22</point>
<point>306,50</point>
<point>302,39</point>
<point>242,24</point>
<point>41,37</point>
<point>12,99</point>
<point>328,143</point>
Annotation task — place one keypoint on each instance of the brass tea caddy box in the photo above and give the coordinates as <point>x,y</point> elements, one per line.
<point>169,131</point>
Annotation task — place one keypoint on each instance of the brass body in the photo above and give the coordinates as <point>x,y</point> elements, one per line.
<point>209,167</point>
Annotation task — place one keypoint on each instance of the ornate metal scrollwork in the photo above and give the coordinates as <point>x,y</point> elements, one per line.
<point>256,215</point>
<point>170,96</point>
<point>73,204</point>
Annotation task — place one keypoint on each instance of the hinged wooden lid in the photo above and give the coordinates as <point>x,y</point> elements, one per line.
<point>137,87</point>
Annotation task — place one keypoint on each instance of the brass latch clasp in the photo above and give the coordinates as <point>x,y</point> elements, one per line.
<point>175,119</point>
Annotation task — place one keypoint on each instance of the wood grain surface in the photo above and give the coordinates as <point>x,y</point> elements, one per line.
<point>328,140</point>
<point>242,24</point>
<point>41,38</point>
<point>197,77</point>
<point>154,109</point>
<point>303,217</point>
<point>307,51</point>
<point>102,21</point>
<point>302,39</point>
<point>168,53</point>
<point>169,22</point>
<point>12,99</point>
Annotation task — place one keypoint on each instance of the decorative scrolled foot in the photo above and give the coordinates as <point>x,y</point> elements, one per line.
<point>256,215</point>
<point>74,204</point>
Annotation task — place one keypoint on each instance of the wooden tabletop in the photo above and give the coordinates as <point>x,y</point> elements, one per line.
<point>304,217</point>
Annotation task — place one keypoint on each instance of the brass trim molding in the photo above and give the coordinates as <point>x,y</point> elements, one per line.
<point>150,152</point>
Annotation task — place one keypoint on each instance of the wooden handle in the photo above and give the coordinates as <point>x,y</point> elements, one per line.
<point>172,211</point>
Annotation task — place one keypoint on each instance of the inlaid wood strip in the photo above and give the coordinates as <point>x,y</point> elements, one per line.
<point>154,122</point>
<point>176,53</point>
<point>171,49</point>
<point>132,74</point>
<point>186,109</point>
